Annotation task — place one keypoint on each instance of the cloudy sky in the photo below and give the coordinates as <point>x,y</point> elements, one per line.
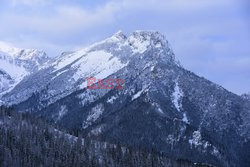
<point>209,37</point>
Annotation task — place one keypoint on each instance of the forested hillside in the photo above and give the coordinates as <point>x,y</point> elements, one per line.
<point>28,141</point>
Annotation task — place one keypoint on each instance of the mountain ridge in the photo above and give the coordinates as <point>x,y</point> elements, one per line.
<point>76,60</point>
<point>162,106</point>
<point>17,63</point>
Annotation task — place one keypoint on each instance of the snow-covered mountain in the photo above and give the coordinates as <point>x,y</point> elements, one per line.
<point>162,106</point>
<point>16,63</point>
<point>68,72</point>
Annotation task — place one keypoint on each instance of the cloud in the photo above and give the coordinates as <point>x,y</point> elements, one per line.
<point>28,2</point>
<point>64,19</point>
<point>210,37</point>
<point>60,19</point>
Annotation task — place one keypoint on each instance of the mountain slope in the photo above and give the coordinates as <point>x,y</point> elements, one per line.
<point>68,72</point>
<point>162,106</point>
<point>17,63</point>
<point>246,96</point>
<point>27,141</point>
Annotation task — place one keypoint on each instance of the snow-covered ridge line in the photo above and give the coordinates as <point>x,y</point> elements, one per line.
<point>20,53</point>
<point>9,48</point>
<point>68,72</point>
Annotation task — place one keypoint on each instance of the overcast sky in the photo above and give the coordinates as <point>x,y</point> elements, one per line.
<point>209,37</point>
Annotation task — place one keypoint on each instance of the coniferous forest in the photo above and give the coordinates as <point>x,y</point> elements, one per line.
<point>27,141</point>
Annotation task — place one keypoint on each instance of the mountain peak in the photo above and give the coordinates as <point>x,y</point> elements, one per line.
<point>20,53</point>
<point>154,36</point>
<point>119,34</point>
<point>146,33</point>
<point>9,48</point>
<point>149,39</point>
<point>141,41</point>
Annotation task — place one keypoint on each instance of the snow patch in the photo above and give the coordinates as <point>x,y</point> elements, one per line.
<point>158,45</point>
<point>59,73</point>
<point>111,99</point>
<point>138,45</point>
<point>97,130</point>
<point>99,64</point>
<point>95,113</point>
<point>158,107</point>
<point>63,110</point>
<point>68,59</point>
<point>177,95</point>
<point>196,139</point>
<point>138,94</point>
<point>184,119</point>
<point>177,101</point>
<point>152,68</point>
<point>16,72</point>
<point>160,110</point>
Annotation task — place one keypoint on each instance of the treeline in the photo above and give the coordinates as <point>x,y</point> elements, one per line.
<point>26,141</point>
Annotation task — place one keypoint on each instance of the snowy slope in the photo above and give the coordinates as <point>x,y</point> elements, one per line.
<point>68,72</point>
<point>16,63</point>
<point>13,72</point>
